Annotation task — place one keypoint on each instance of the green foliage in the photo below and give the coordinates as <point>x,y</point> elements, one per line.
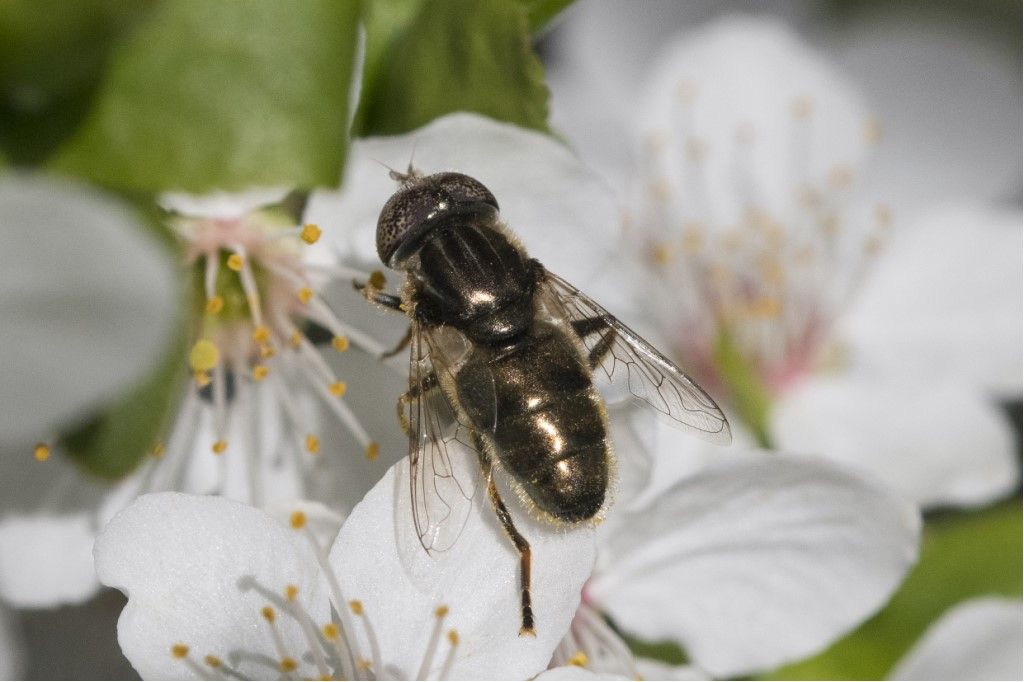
<point>52,56</point>
<point>427,59</point>
<point>963,555</point>
<point>222,95</point>
<point>540,12</point>
<point>751,400</point>
<point>113,443</point>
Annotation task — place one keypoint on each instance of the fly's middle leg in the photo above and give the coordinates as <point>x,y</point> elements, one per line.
<point>518,541</point>
<point>594,325</point>
<point>427,385</point>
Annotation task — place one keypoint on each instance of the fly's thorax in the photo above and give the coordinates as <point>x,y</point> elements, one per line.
<point>470,275</point>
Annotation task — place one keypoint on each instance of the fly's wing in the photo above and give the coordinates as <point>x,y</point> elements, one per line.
<point>442,484</point>
<point>651,378</point>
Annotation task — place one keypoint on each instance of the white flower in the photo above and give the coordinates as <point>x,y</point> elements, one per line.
<point>755,560</point>
<point>248,424</point>
<point>779,288</point>
<point>216,588</point>
<point>979,639</point>
<point>85,306</point>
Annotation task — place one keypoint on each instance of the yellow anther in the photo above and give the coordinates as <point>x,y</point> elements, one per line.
<point>295,339</point>
<point>372,450</point>
<point>219,447</point>
<point>841,176</point>
<point>268,613</point>
<point>693,239</point>
<point>202,379</point>
<point>441,611</point>
<point>363,665</point>
<point>330,632</point>
<point>802,108</point>
<point>312,444</point>
<point>261,334</point>
<point>214,304</point>
<point>661,190</point>
<point>765,307</point>
<point>41,452</point>
<point>305,294</point>
<point>883,215</point>
<point>235,262</point>
<point>377,279</point>
<point>204,356</point>
<point>453,637</point>
<point>213,661</point>
<point>660,254</point>
<point>340,343</point>
<point>310,233</point>
<point>267,352</point>
<point>158,450</point>
<point>297,519</point>
<point>287,665</point>
<point>260,372</point>
<point>579,659</point>
<point>873,131</point>
<point>356,606</point>
<point>291,592</point>
<point>338,388</point>
<point>179,650</point>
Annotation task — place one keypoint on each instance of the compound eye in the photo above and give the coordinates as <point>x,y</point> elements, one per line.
<point>464,189</point>
<point>404,210</point>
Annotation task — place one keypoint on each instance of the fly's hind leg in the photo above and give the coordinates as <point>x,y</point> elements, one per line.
<point>594,325</point>
<point>400,346</point>
<point>518,541</point>
<point>427,385</point>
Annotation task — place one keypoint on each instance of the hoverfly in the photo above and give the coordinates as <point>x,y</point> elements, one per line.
<point>504,352</point>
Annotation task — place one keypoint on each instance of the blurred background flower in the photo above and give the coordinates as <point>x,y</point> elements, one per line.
<point>823,201</point>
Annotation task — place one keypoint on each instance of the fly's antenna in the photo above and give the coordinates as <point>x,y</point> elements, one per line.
<point>410,176</point>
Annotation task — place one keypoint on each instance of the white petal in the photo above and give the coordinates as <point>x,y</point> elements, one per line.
<point>556,205</point>
<point>221,204</point>
<point>12,663</point>
<point>651,669</point>
<point>47,529</point>
<point>744,75</point>
<point>934,442</point>
<point>757,560</point>
<point>575,672</point>
<point>946,300</point>
<point>477,579</point>
<point>979,639</point>
<point>948,99</point>
<point>197,571</point>
<point>86,298</point>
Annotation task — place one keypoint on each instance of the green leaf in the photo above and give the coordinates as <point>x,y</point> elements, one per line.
<point>52,55</point>
<point>540,12</point>
<point>221,94</point>
<point>963,555</point>
<point>459,55</point>
<point>113,443</point>
<point>750,398</point>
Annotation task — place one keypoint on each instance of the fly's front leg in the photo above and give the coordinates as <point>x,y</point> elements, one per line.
<point>426,386</point>
<point>518,541</point>
<point>595,325</point>
<point>373,291</point>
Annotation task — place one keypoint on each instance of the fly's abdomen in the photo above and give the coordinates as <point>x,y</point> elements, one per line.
<point>558,454</point>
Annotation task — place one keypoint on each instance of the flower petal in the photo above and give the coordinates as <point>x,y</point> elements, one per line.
<point>979,639</point>
<point>575,672</point>
<point>197,571</point>
<point>934,442</point>
<point>47,529</point>
<point>946,298</point>
<point>12,665</point>
<point>221,204</point>
<point>749,78</point>
<point>547,196</point>
<point>477,579</point>
<point>757,560</point>
<point>86,298</point>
